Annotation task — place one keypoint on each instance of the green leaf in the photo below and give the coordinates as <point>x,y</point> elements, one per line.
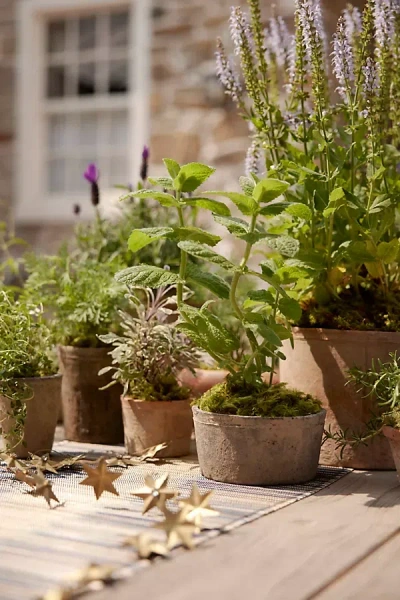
<point>269,189</point>
<point>290,308</point>
<point>195,234</point>
<point>380,203</point>
<point>262,296</point>
<point>164,182</point>
<point>336,194</point>
<point>234,225</point>
<point>210,281</point>
<point>191,176</point>
<point>378,173</point>
<point>205,253</point>
<point>285,245</point>
<point>247,185</point>
<point>357,251</point>
<point>163,198</point>
<point>246,204</point>
<point>218,208</point>
<point>299,210</point>
<point>172,166</point>
<point>274,208</point>
<point>140,238</point>
<point>387,251</point>
<point>269,335</point>
<point>192,332</point>
<point>147,276</point>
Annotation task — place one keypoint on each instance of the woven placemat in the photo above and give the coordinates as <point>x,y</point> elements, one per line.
<point>40,548</point>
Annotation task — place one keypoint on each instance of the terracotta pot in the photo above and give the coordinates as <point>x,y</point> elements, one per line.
<point>393,435</point>
<point>147,424</point>
<point>90,414</point>
<point>41,416</point>
<point>257,450</point>
<point>318,365</point>
<point>203,380</point>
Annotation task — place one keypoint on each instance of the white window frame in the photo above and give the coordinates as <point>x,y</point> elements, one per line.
<point>33,204</point>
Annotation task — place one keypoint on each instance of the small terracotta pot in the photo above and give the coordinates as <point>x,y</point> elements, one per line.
<point>41,416</point>
<point>258,450</point>
<point>90,414</point>
<point>393,435</point>
<point>318,365</point>
<point>147,424</point>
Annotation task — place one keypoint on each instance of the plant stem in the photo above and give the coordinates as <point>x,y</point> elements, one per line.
<point>273,360</point>
<point>184,258</point>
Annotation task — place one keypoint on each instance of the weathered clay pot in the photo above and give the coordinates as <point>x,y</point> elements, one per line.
<point>257,450</point>
<point>41,416</point>
<point>318,365</point>
<point>147,424</point>
<point>90,414</point>
<point>202,381</point>
<point>393,435</point>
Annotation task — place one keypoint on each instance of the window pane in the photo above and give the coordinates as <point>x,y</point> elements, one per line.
<point>118,77</point>
<point>86,79</point>
<point>119,29</point>
<point>118,129</point>
<point>88,130</point>
<point>57,132</point>
<point>56,176</point>
<point>55,82</point>
<point>118,170</point>
<point>56,36</point>
<point>76,168</point>
<point>87,33</point>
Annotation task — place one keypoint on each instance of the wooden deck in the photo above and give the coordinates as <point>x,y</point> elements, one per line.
<point>342,543</point>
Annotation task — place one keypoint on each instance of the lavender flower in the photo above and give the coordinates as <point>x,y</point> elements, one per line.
<point>240,29</point>
<point>145,163</point>
<point>352,22</point>
<point>227,74</point>
<point>384,22</point>
<point>92,175</point>
<point>278,40</point>
<point>343,60</point>
<point>253,162</point>
<point>310,19</point>
<point>371,80</point>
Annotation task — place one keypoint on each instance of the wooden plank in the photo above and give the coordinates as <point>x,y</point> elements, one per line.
<point>377,577</point>
<point>289,554</point>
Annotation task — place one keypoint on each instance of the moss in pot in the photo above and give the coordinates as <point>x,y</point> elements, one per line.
<point>29,380</point>
<point>252,449</point>
<point>147,359</point>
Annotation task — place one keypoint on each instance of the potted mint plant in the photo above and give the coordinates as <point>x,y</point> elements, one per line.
<point>147,358</point>
<point>339,151</point>
<point>248,431</point>
<point>29,380</point>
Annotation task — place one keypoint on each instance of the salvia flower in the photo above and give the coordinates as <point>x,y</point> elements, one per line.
<point>352,22</point>
<point>240,30</point>
<point>310,19</point>
<point>384,22</point>
<point>343,60</point>
<point>278,40</point>
<point>227,73</point>
<point>253,161</point>
<point>92,175</point>
<point>370,73</point>
<point>144,168</point>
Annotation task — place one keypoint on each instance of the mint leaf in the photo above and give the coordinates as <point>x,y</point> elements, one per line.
<point>163,198</point>
<point>140,238</point>
<point>210,281</point>
<point>196,234</point>
<point>173,167</point>
<point>300,211</point>
<point>205,253</point>
<point>216,207</point>
<point>290,308</point>
<point>269,189</point>
<point>147,276</point>
<point>247,205</point>
<point>191,176</point>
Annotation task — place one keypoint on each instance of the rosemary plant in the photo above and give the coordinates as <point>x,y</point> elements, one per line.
<point>324,116</point>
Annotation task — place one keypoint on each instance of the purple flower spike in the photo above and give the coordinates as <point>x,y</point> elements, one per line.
<point>92,173</point>
<point>145,153</point>
<point>145,163</point>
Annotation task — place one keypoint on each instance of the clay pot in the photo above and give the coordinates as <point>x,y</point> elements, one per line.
<point>147,424</point>
<point>90,414</point>
<point>393,435</point>
<point>318,365</point>
<point>41,416</point>
<point>257,450</point>
<point>202,381</point>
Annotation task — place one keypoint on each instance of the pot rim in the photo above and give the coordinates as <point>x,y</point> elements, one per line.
<point>322,333</point>
<point>83,348</point>
<point>45,377</point>
<point>154,402</point>
<point>196,409</point>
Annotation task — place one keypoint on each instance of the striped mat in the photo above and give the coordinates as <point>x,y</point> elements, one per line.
<point>40,547</point>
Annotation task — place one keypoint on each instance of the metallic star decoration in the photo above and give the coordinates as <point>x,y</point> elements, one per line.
<point>93,572</point>
<point>100,479</point>
<point>154,493</point>
<point>22,476</point>
<point>152,452</point>
<point>177,528</point>
<point>59,594</point>
<point>43,488</point>
<point>12,462</point>
<point>43,463</point>
<point>146,546</point>
<point>198,506</point>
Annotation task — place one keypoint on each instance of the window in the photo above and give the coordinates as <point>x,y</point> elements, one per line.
<point>84,63</point>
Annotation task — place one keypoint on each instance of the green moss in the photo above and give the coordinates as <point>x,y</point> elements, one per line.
<point>237,398</point>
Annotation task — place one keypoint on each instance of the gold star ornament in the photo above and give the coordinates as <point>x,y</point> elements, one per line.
<point>146,546</point>
<point>154,493</point>
<point>177,528</point>
<point>43,488</point>
<point>59,594</point>
<point>93,573</point>
<point>100,478</point>
<point>12,462</point>
<point>198,506</point>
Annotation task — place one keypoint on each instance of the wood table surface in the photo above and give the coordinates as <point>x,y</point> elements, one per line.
<point>341,543</point>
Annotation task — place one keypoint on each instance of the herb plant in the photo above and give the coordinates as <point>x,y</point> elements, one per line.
<point>150,353</point>
<point>25,351</point>
<point>381,382</point>
<point>334,137</point>
<point>257,316</point>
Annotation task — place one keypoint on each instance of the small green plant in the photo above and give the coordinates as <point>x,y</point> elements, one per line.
<point>25,351</point>
<point>10,273</point>
<point>381,382</point>
<point>338,149</point>
<point>257,316</point>
<point>150,353</point>
<point>81,297</point>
